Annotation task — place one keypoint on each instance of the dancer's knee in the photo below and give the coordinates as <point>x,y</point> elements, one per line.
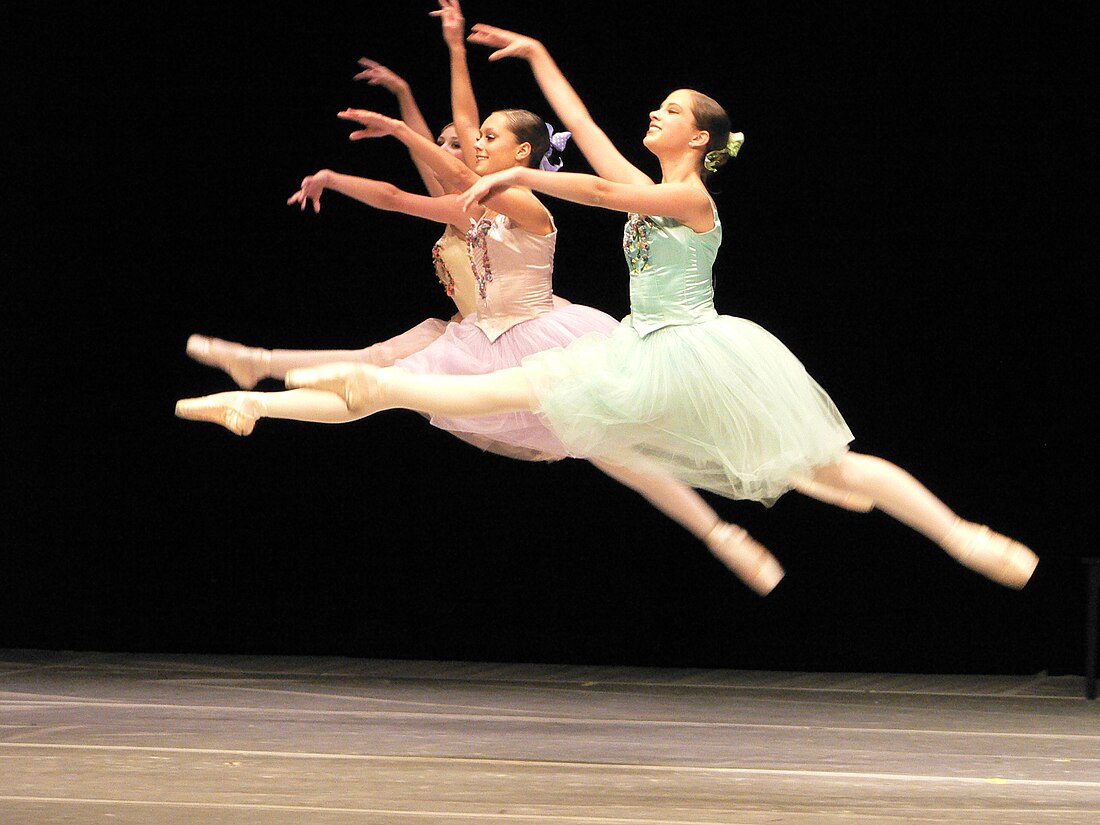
<point>852,471</point>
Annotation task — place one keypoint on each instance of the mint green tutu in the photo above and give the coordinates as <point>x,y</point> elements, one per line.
<point>717,401</point>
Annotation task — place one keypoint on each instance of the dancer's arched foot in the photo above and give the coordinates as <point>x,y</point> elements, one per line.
<point>357,384</point>
<point>997,557</point>
<point>745,556</point>
<point>832,495</point>
<point>245,365</point>
<point>230,409</point>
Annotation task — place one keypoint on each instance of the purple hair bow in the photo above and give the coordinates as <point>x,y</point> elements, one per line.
<point>557,144</point>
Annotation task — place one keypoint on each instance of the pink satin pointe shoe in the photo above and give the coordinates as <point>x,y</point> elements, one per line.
<point>225,408</point>
<point>832,495</point>
<point>996,557</point>
<point>245,365</point>
<point>356,383</point>
<point>745,556</point>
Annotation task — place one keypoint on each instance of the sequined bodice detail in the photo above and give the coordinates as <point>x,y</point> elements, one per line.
<point>513,272</point>
<point>451,258</point>
<point>671,271</point>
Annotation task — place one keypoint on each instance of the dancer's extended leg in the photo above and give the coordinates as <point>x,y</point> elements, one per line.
<point>249,365</point>
<point>896,492</point>
<point>732,545</point>
<point>368,389</point>
<point>239,411</point>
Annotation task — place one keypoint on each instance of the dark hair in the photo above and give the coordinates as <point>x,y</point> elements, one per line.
<point>529,128</point>
<point>709,115</point>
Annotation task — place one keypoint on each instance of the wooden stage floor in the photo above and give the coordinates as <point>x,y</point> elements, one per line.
<point>195,739</point>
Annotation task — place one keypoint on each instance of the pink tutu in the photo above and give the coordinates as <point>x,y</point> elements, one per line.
<point>464,349</point>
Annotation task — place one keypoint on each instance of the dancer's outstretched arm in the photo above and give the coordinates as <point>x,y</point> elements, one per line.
<point>522,207</point>
<point>378,75</point>
<point>380,195</point>
<point>682,201</point>
<point>463,103</point>
<point>597,148</point>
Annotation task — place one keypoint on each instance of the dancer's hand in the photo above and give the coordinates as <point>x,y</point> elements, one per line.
<point>378,75</point>
<point>374,124</point>
<point>454,24</point>
<point>487,187</point>
<point>311,189</point>
<point>506,43</point>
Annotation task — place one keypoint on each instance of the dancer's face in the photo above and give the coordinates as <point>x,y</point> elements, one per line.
<point>672,126</point>
<point>497,147</point>
<point>448,139</point>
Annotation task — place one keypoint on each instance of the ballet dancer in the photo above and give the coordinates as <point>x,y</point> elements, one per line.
<point>248,365</point>
<point>512,264</point>
<point>716,401</point>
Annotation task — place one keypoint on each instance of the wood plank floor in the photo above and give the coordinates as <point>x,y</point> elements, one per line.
<point>173,739</point>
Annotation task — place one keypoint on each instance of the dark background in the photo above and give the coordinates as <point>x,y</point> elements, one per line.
<point>908,214</point>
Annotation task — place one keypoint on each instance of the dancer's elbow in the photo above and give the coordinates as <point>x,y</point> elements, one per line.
<point>600,192</point>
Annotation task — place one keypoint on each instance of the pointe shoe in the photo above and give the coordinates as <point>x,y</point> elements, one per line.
<point>225,408</point>
<point>832,495</point>
<point>245,365</point>
<point>356,383</point>
<point>995,556</point>
<point>746,557</point>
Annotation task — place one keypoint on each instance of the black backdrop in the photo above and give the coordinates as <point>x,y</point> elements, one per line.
<point>905,215</point>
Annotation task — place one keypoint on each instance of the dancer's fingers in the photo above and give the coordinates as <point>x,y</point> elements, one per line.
<point>480,38</point>
<point>361,115</point>
<point>488,35</point>
<point>370,68</point>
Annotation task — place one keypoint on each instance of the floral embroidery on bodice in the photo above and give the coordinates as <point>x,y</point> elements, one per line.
<point>441,269</point>
<point>477,238</point>
<point>636,243</point>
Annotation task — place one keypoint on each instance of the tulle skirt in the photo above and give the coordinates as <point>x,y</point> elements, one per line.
<point>463,349</point>
<point>722,405</point>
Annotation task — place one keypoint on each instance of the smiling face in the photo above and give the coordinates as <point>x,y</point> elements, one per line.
<point>672,126</point>
<point>448,139</point>
<point>497,147</point>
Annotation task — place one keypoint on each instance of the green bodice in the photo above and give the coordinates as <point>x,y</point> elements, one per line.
<point>671,280</point>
